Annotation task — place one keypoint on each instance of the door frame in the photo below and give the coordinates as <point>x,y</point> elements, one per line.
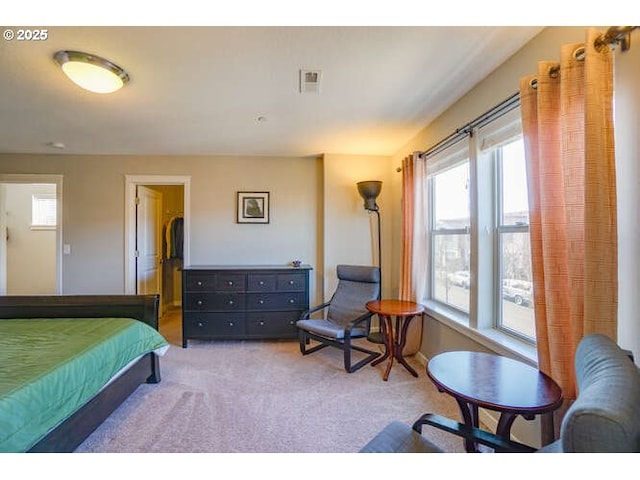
<point>131,182</point>
<point>29,179</point>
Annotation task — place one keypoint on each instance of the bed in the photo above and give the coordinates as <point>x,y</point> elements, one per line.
<point>68,361</point>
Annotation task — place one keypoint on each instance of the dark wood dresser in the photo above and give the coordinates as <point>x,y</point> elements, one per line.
<point>243,302</point>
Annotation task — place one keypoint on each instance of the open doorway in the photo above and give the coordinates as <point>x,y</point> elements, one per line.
<point>30,234</point>
<point>171,232</point>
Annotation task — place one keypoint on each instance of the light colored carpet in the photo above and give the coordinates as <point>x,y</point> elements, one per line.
<point>264,396</point>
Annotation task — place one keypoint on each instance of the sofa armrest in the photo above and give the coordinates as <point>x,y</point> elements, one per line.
<point>476,435</point>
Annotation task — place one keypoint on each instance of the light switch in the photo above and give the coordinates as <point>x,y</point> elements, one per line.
<point>66,249</point>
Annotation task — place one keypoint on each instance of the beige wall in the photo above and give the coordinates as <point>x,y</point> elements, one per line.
<point>316,213</point>
<point>350,232</point>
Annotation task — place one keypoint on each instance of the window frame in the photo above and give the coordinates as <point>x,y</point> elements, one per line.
<point>41,198</point>
<point>451,157</point>
<point>485,301</point>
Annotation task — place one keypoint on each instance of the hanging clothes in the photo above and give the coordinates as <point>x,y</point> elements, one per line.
<point>173,238</point>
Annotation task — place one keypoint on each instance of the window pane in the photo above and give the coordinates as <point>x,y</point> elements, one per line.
<point>515,203</point>
<point>517,288</point>
<point>451,198</point>
<point>451,270</point>
<point>43,210</point>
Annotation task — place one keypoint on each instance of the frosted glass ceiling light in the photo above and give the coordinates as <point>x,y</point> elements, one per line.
<point>91,72</point>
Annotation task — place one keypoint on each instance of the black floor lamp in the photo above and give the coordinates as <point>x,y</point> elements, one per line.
<point>369,191</point>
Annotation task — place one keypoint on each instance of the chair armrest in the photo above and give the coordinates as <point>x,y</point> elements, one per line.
<point>477,435</point>
<point>317,308</point>
<point>360,319</point>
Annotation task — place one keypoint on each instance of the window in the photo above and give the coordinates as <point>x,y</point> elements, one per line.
<point>43,211</point>
<point>450,236</point>
<point>515,314</point>
<point>480,257</point>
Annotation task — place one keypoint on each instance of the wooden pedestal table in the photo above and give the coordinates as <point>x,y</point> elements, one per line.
<point>485,380</point>
<point>394,338</point>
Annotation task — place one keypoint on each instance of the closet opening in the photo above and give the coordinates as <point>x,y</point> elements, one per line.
<point>157,241</point>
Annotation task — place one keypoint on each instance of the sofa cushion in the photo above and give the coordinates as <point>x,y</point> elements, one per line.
<point>606,415</point>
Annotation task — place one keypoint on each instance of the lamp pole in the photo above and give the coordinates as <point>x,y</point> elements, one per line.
<point>376,337</point>
<point>369,191</point>
<point>379,252</point>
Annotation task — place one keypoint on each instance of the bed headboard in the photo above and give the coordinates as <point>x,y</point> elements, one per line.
<point>141,307</point>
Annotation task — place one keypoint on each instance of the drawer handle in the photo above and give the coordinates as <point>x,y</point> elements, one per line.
<point>200,324</point>
<point>199,302</point>
<point>292,322</point>
<point>199,283</point>
<point>261,282</point>
<point>291,300</point>
<point>261,302</point>
<point>261,323</point>
<point>230,302</point>
<point>290,282</point>
<point>229,283</point>
<point>231,324</point>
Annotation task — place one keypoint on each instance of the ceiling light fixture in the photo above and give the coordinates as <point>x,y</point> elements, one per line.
<point>91,72</point>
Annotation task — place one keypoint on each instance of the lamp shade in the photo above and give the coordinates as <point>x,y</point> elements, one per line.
<point>91,72</point>
<point>369,191</point>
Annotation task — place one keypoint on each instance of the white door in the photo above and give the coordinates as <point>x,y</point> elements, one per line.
<point>148,241</point>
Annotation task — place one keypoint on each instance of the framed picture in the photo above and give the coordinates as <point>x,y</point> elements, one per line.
<point>252,207</point>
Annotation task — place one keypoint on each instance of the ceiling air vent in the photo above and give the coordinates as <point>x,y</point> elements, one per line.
<point>309,81</point>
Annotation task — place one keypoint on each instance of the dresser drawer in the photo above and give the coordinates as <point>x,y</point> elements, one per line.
<point>272,324</point>
<point>276,301</point>
<point>200,282</point>
<point>206,302</point>
<point>230,282</point>
<point>258,282</point>
<point>292,282</point>
<point>213,324</point>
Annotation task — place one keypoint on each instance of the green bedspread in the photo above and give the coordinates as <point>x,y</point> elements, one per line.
<point>51,367</point>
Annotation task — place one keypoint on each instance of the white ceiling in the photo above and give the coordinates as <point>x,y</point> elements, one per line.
<point>200,90</point>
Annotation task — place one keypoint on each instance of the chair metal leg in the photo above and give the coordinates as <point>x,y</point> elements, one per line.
<point>346,346</point>
<point>305,339</point>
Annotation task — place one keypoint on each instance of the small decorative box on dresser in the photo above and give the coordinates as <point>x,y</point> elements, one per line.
<point>243,302</point>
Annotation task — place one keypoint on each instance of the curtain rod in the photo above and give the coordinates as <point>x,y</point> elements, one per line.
<point>615,35</point>
<point>494,112</point>
<point>612,37</point>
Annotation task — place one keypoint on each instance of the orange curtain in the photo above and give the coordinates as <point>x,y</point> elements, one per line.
<point>413,264</point>
<point>408,222</point>
<point>567,112</point>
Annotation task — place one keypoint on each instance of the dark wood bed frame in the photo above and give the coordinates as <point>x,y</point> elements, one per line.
<point>68,435</point>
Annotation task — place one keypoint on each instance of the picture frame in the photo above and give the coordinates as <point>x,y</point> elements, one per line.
<point>252,207</point>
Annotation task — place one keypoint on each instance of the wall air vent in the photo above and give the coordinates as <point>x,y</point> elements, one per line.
<point>309,81</point>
